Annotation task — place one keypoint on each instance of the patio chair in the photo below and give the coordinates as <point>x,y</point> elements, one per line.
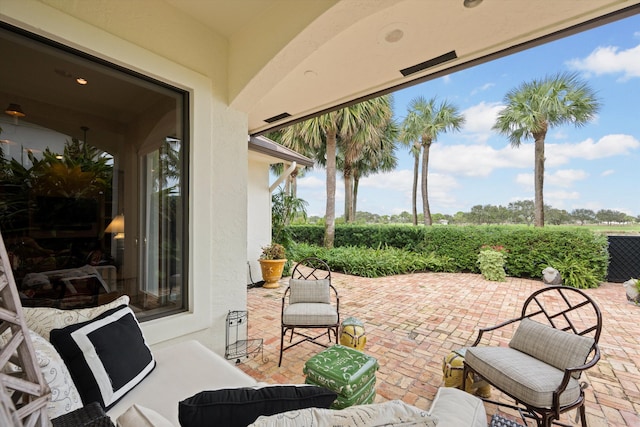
<point>555,340</point>
<point>309,302</point>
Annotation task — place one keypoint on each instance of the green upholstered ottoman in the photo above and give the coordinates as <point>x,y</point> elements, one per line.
<point>348,372</point>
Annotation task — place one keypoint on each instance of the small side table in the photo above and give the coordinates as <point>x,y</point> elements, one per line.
<point>237,344</point>
<point>348,372</point>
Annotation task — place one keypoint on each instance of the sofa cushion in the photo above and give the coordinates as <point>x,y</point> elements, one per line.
<point>557,348</point>
<point>454,407</point>
<point>107,356</point>
<point>309,291</point>
<point>392,413</point>
<point>43,319</point>
<point>241,406</point>
<point>139,416</point>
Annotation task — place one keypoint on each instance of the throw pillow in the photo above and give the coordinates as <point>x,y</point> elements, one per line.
<point>43,319</point>
<point>64,394</point>
<point>107,356</point>
<point>241,406</point>
<point>555,347</point>
<point>139,416</point>
<point>309,291</point>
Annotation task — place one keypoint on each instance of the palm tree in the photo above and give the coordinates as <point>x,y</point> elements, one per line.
<point>376,117</point>
<point>321,135</point>
<point>378,158</point>
<point>424,122</point>
<point>534,107</point>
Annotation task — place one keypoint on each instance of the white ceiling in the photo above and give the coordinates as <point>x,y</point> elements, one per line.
<point>303,57</point>
<point>365,43</point>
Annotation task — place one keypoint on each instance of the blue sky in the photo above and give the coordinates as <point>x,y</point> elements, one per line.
<point>595,167</point>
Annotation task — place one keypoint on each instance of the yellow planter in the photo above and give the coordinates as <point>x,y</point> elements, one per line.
<point>271,272</point>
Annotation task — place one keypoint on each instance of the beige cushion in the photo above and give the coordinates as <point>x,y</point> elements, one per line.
<point>309,291</point>
<point>557,348</point>
<point>392,413</point>
<point>453,407</point>
<point>524,377</point>
<point>139,416</point>
<point>310,314</point>
<point>43,319</point>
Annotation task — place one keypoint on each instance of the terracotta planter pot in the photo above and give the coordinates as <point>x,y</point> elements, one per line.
<point>272,272</point>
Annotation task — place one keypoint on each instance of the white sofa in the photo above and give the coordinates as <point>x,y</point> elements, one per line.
<point>186,368</point>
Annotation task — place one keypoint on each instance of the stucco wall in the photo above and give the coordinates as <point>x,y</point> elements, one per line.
<point>146,42</point>
<point>258,214</point>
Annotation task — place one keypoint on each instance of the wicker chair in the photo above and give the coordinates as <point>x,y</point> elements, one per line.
<point>555,341</point>
<point>309,302</point>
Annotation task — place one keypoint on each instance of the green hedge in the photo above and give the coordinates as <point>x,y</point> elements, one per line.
<point>580,255</point>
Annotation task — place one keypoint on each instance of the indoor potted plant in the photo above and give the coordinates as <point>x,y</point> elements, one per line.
<point>272,262</point>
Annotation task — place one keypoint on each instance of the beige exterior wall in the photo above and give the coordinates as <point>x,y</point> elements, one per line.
<point>259,212</point>
<point>167,50</point>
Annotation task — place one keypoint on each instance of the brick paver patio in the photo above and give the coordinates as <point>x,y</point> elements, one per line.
<point>412,321</point>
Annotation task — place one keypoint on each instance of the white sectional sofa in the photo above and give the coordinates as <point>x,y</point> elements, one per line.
<point>179,371</point>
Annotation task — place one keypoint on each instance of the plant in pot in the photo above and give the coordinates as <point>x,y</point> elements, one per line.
<point>632,289</point>
<point>272,262</point>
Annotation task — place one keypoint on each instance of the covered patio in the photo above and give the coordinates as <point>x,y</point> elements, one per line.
<point>413,321</point>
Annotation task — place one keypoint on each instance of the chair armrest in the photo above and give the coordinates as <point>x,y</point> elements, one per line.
<point>569,372</point>
<point>481,331</point>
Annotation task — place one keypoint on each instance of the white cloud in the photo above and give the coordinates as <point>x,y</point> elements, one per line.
<point>610,60</point>
<point>558,199</point>
<point>525,180</point>
<point>446,79</point>
<point>562,178</point>
<point>478,160</point>
<point>608,172</point>
<point>565,177</point>
<point>480,119</point>
<point>310,181</point>
<point>607,146</point>
<point>482,88</point>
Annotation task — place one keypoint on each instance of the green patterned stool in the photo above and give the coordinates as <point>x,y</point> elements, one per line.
<point>348,372</point>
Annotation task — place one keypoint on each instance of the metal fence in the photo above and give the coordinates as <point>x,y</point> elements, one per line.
<point>624,258</point>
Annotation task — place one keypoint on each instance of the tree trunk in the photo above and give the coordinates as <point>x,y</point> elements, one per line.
<point>414,195</point>
<point>356,181</point>
<point>539,179</point>
<point>425,172</point>
<point>330,213</point>
<point>348,195</point>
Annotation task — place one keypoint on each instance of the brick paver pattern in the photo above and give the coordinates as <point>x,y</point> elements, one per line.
<point>413,321</point>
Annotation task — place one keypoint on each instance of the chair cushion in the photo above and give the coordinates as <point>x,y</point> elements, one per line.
<point>309,291</point>
<point>553,346</point>
<point>522,376</point>
<point>310,314</point>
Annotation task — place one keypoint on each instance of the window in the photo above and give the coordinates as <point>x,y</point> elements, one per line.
<point>93,173</point>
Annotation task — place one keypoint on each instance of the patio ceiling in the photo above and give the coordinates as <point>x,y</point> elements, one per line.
<point>303,57</point>
<point>292,59</point>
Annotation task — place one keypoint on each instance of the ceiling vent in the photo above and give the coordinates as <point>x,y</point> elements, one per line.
<point>430,63</point>
<point>278,117</point>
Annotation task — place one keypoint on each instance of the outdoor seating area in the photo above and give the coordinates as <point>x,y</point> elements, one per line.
<point>413,321</point>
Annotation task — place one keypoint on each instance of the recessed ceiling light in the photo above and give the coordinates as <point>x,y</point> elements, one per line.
<point>81,81</point>
<point>471,3</point>
<point>394,36</point>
